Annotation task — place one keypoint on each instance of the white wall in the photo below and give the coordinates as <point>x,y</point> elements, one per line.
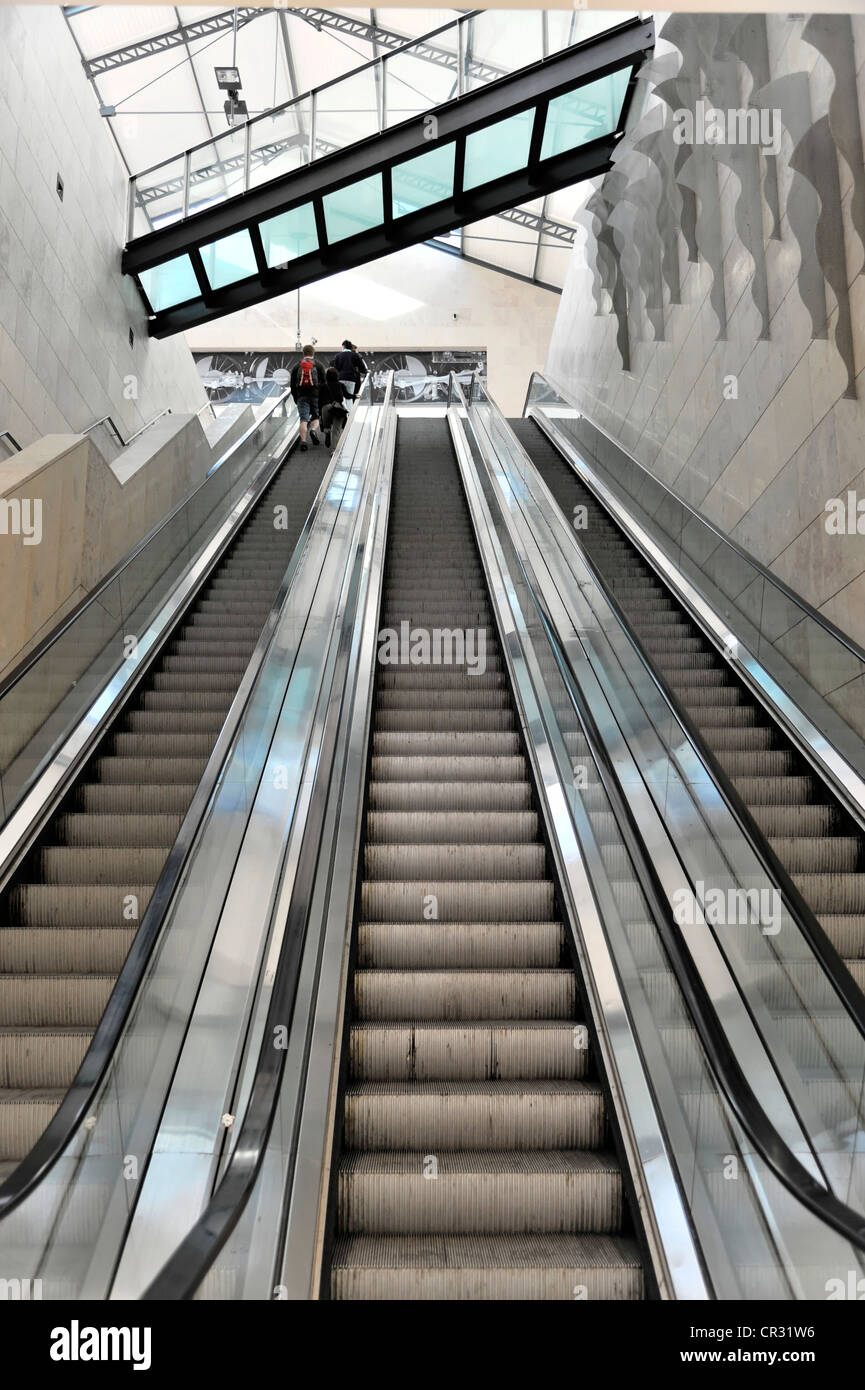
<point>511,319</point>
<point>65,308</point>
<point>761,466</point>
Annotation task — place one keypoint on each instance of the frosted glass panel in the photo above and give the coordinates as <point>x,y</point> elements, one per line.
<point>420,182</point>
<point>354,209</point>
<point>228,260</point>
<point>585,114</point>
<point>501,149</point>
<point>289,235</point>
<point>171,283</point>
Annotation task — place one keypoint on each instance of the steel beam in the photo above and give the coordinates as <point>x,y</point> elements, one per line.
<point>322,20</point>
<point>178,37</point>
<point>530,89</point>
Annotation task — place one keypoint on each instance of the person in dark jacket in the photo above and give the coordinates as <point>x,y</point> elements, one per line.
<point>307,383</point>
<point>350,368</point>
<point>333,411</point>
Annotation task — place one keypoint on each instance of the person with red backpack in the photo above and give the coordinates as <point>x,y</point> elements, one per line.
<point>307,380</point>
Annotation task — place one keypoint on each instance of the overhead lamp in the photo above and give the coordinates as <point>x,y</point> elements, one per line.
<point>228,80</point>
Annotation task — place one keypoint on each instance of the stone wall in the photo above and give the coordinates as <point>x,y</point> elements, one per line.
<point>714,318</point>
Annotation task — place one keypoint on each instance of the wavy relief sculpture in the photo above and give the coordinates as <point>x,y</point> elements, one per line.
<point>680,92</point>
<point>660,150</point>
<point>792,97</point>
<point>743,159</point>
<point>746,37</point>
<point>601,204</point>
<point>832,36</point>
<point>660,186</point>
<point>586,217</point>
<point>632,217</point>
<point>701,175</point>
<point>652,137</point>
<point>814,156</point>
<point>624,223</point>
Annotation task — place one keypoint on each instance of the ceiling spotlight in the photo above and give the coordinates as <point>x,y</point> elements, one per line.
<point>228,80</point>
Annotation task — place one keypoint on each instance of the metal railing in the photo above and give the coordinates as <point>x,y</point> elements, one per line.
<point>16,447</point>
<point>110,424</point>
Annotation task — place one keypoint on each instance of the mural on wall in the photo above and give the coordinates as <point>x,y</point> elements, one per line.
<point>420,375</point>
<point>714,112</point>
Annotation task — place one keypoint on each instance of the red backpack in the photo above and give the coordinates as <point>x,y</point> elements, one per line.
<point>306,366</point>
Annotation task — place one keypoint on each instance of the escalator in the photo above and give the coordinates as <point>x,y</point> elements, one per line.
<point>501,1050</point>
<point>476,1156</point>
<point>70,913</point>
<point>813,837</point>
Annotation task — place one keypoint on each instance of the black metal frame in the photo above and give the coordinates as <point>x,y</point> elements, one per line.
<point>530,88</point>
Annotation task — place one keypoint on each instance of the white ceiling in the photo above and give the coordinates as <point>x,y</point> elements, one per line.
<point>168,100</point>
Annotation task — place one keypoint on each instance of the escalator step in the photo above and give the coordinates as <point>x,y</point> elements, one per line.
<point>460,945</point>
<point>487,1267</point>
<point>465,1046</point>
<point>468,1050</point>
<point>456,827</point>
<point>484,1193</point>
<point>451,994</point>
<point>428,1116</point>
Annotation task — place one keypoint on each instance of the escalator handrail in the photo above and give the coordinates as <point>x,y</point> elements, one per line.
<point>803,915</point>
<point>775,580</point>
<point>736,1088</point>
<point>11,679</point>
<point>182,1274</point>
<point>81,1095</point>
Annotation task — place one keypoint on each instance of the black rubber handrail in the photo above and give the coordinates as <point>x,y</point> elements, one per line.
<point>14,676</point>
<point>802,913</point>
<point>82,1093</point>
<point>765,573</point>
<point>184,1271</point>
<point>730,1077</point>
